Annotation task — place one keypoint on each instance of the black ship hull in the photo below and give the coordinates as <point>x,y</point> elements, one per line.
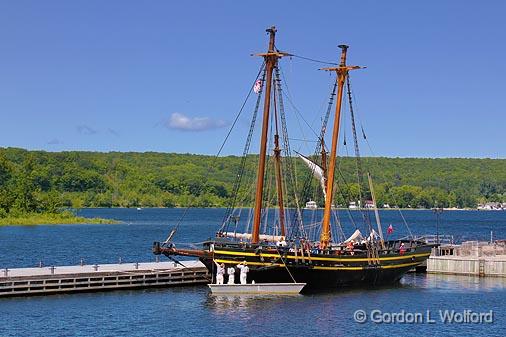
<point>323,279</point>
<point>320,270</point>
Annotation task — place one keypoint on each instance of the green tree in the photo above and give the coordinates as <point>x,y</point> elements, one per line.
<point>25,189</point>
<point>50,202</point>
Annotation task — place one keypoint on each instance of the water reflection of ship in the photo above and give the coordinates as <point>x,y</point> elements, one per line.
<point>230,305</point>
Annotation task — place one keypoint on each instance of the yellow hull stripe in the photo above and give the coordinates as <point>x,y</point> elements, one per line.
<point>256,293</point>
<point>251,263</point>
<point>320,267</point>
<point>316,258</point>
<point>337,268</point>
<point>360,268</point>
<point>400,265</point>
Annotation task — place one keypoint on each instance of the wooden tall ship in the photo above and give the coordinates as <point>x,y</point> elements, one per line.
<point>282,248</point>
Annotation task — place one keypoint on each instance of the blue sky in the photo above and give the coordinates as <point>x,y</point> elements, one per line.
<point>170,76</point>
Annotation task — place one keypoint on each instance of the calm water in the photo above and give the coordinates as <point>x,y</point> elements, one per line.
<point>192,311</point>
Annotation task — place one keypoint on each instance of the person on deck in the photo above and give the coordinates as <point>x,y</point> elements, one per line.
<point>281,243</point>
<point>220,271</point>
<point>244,271</point>
<point>350,247</point>
<point>402,249</point>
<point>231,274</point>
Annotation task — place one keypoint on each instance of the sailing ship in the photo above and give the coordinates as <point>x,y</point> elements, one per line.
<point>277,252</point>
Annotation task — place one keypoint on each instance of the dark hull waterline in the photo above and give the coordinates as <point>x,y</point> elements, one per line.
<point>323,279</point>
<point>321,271</point>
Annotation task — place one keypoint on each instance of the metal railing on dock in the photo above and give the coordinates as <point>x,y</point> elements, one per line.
<point>63,279</point>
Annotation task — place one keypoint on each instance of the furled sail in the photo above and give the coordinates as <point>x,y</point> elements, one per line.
<point>247,236</point>
<point>317,172</point>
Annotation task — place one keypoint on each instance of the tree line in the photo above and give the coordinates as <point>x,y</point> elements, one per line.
<point>39,181</point>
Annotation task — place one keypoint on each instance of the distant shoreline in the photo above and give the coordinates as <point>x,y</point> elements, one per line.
<point>66,218</point>
<point>319,208</point>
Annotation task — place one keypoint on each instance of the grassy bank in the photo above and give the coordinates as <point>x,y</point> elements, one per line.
<point>51,219</point>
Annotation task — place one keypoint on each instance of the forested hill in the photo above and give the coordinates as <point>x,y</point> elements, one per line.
<point>29,179</point>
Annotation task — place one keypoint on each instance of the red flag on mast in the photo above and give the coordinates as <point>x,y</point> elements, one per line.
<point>257,87</point>
<point>390,229</point>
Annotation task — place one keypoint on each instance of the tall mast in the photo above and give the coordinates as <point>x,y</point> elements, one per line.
<point>342,72</point>
<point>277,164</point>
<point>271,61</point>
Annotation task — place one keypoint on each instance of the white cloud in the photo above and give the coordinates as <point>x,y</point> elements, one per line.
<point>179,121</point>
<point>86,130</point>
<point>113,132</point>
<point>55,141</point>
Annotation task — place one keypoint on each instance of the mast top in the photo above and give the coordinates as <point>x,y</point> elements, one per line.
<point>272,33</point>
<point>344,48</point>
<point>272,46</point>
<point>271,29</point>
<point>342,65</point>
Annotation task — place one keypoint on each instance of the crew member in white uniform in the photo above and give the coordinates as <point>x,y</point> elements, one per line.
<point>231,274</point>
<point>220,271</point>
<point>244,271</point>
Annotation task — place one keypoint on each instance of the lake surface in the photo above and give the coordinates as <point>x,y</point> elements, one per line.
<point>193,311</point>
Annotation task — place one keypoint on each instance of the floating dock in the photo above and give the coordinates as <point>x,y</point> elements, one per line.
<point>103,277</point>
<point>471,258</point>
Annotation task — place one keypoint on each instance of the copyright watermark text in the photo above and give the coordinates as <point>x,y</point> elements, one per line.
<point>430,317</point>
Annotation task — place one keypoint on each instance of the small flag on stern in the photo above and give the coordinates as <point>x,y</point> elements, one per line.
<point>390,229</point>
<point>257,87</point>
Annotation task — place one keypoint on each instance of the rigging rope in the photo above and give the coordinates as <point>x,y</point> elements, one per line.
<point>306,190</point>
<point>405,223</point>
<point>262,68</point>
<point>306,58</point>
<point>365,214</point>
<point>247,145</point>
<point>297,110</point>
<point>314,60</point>
<point>288,159</point>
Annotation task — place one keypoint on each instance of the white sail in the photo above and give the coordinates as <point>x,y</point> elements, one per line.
<point>356,236</point>
<point>373,236</point>
<point>317,172</point>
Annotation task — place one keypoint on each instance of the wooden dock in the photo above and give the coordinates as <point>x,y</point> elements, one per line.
<point>467,265</point>
<point>103,277</point>
<point>470,258</point>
